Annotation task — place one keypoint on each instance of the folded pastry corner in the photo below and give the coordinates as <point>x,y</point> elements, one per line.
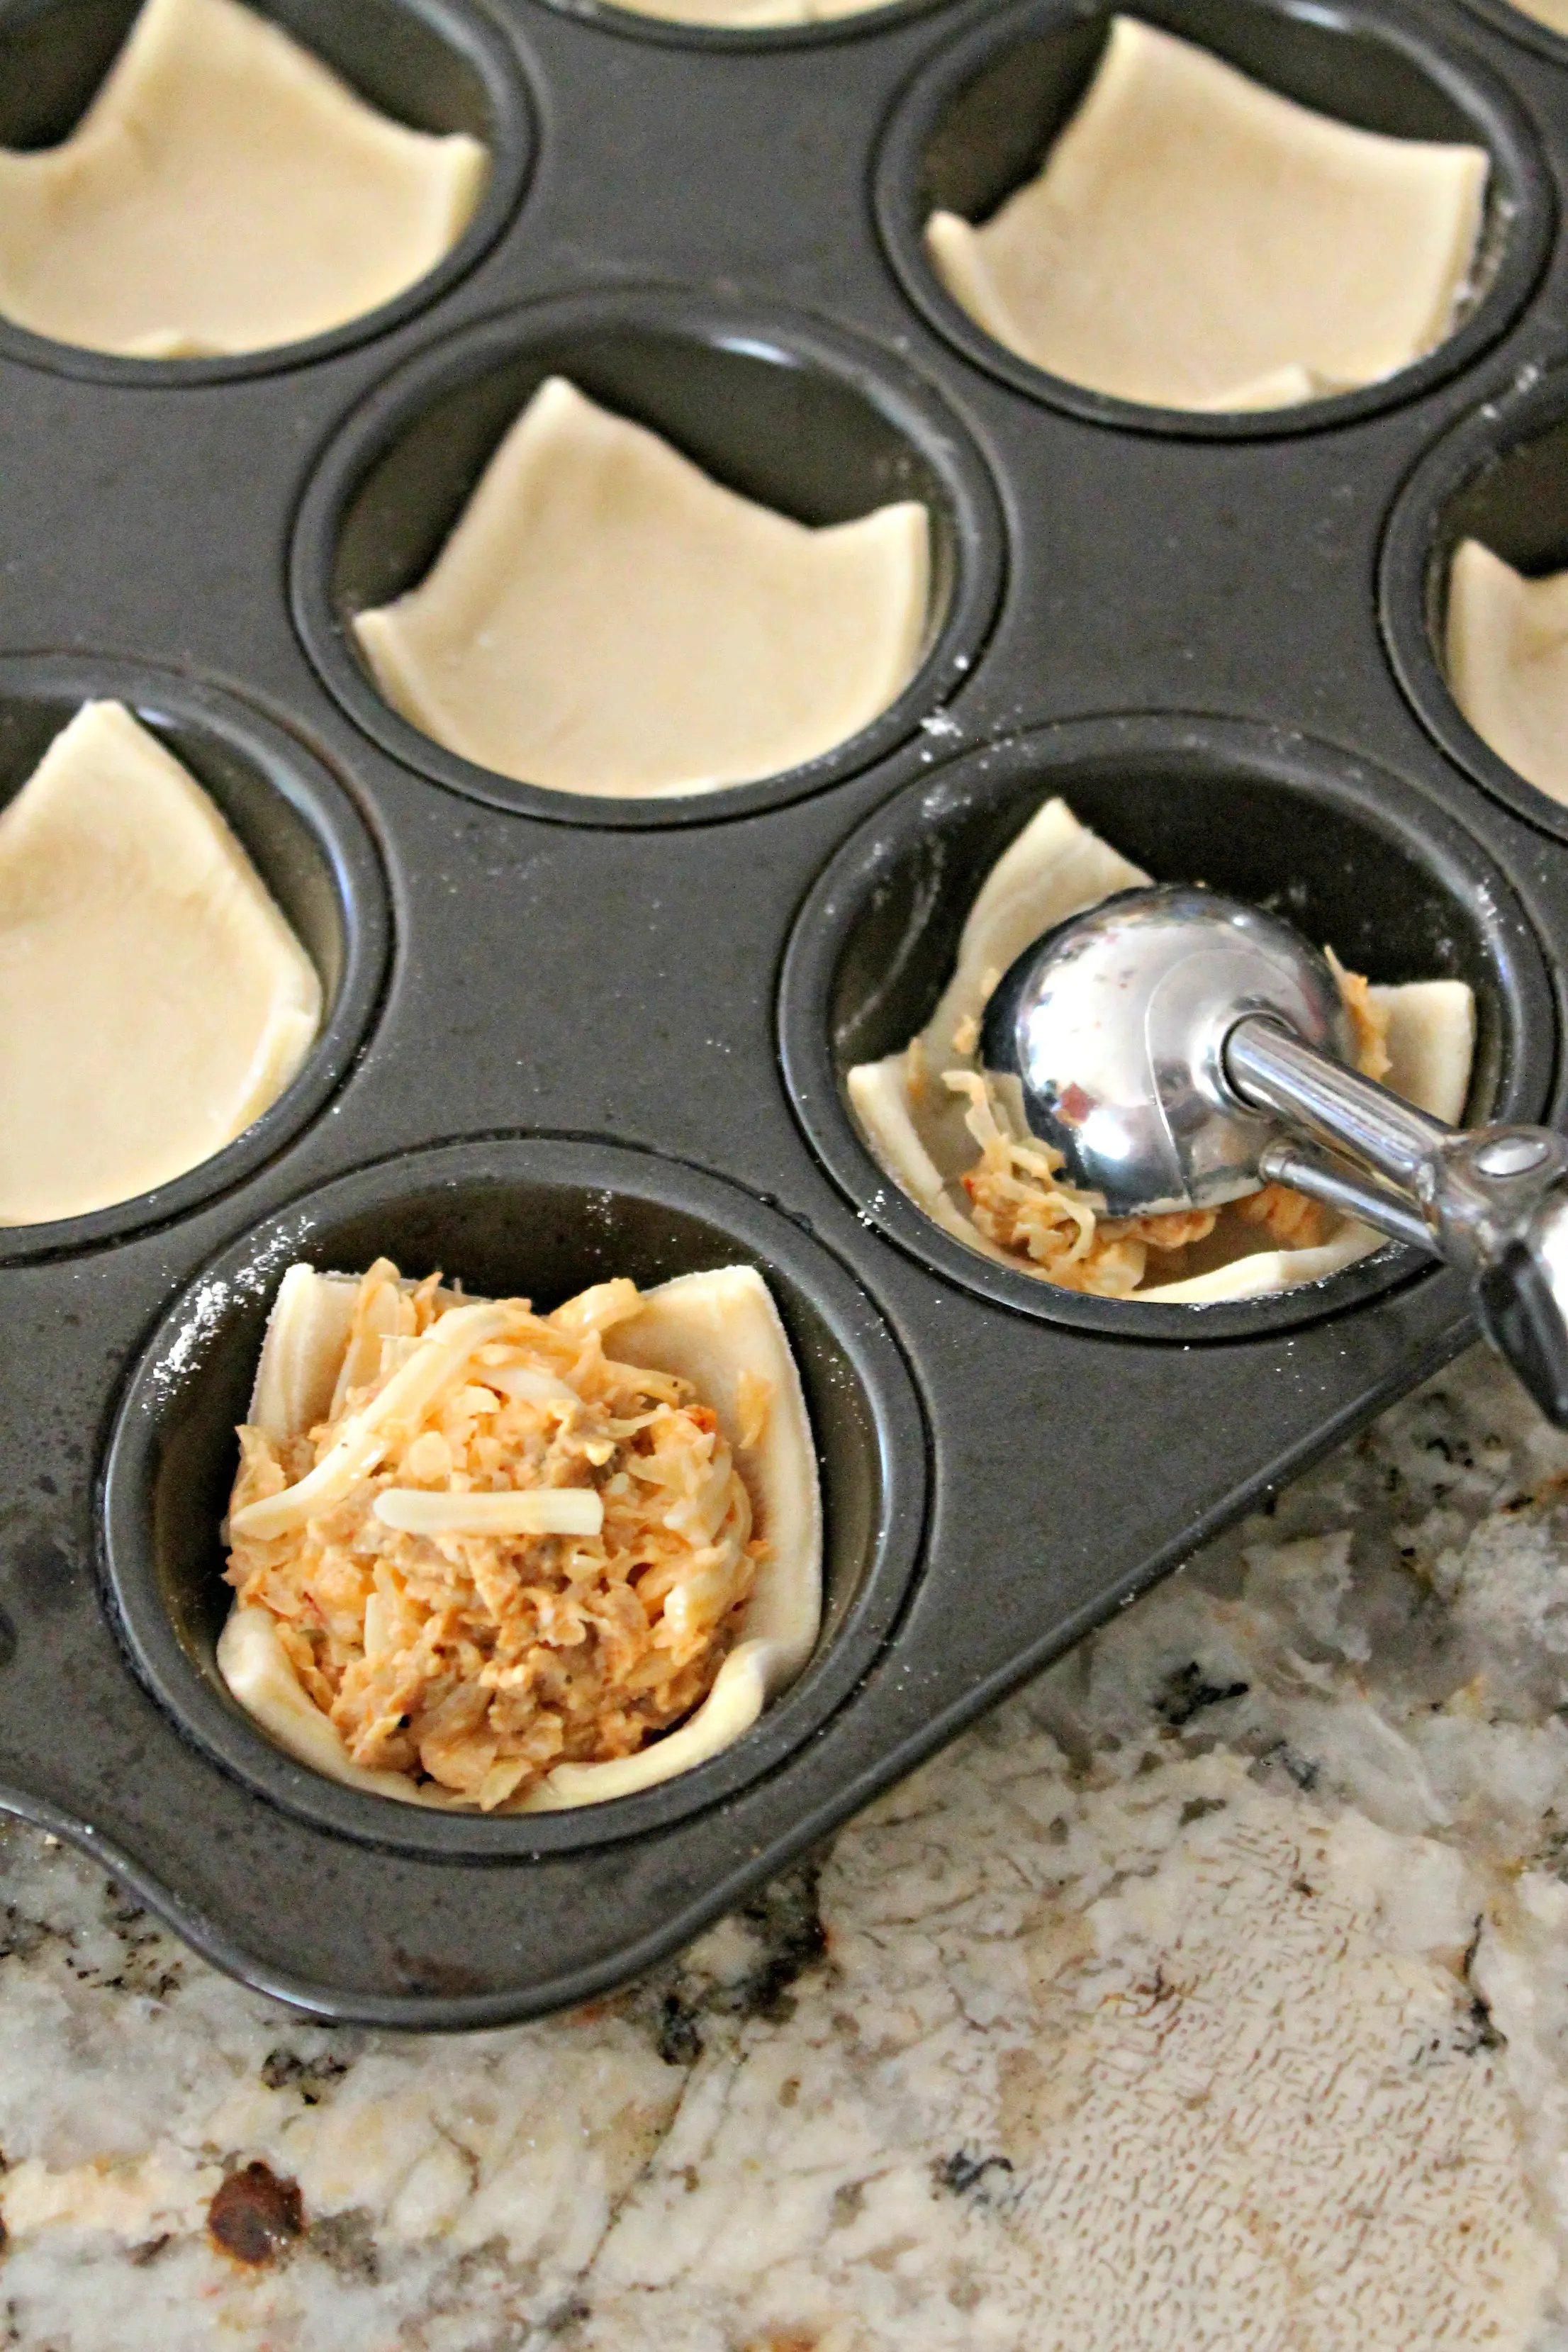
<point>606,619</point>
<point>1507,658</point>
<point>154,1002</point>
<point>484,1559</point>
<point>224,193</point>
<point>1196,241</point>
<point>950,1141</point>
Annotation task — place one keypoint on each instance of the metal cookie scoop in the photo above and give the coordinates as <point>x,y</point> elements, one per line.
<point>1179,1048</point>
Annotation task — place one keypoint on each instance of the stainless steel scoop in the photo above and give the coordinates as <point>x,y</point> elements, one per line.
<point>1180,1048</point>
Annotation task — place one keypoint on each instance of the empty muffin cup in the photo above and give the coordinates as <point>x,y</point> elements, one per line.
<point>205,186</point>
<point>634,559</point>
<point>1357,861</point>
<point>1475,595</point>
<point>1372,210</point>
<point>260,804</point>
<point>543,1218</point>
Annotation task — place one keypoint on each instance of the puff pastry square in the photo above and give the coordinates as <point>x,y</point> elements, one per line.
<point>152,1000</point>
<point>606,619</point>
<point>1507,663</point>
<point>224,193</point>
<point>1196,241</point>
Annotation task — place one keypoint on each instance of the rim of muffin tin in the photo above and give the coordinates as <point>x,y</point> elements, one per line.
<point>1520,27</point>
<point>910,405</point>
<point>481,35</point>
<point>1040,764</point>
<point>672,32</point>
<point>1417,549</point>
<point>241,1281</point>
<point>327,818</point>
<point>1527,210</point>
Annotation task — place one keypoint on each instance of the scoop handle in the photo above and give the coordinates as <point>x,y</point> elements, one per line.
<point>1492,1200</point>
<point>1523,1300</point>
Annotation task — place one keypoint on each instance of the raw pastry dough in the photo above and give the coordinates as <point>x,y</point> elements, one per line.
<point>718,1330</point>
<point>1196,241</point>
<point>1507,663</point>
<point>1054,869</point>
<point>1553,13</point>
<point>224,193</point>
<point>152,1000</point>
<point>606,619</point>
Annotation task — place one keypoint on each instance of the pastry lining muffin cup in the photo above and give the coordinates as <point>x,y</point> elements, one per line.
<point>1500,475</point>
<point>539,1217</point>
<point>1398,891</point>
<point>311,848</point>
<point>787,411</point>
<point>435,65</point>
<point>976,120</point>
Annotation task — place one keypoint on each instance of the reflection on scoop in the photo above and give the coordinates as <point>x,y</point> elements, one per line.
<point>1196,241</point>
<point>224,193</point>
<point>152,1000</point>
<point>606,619</point>
<point>1114,1022</point>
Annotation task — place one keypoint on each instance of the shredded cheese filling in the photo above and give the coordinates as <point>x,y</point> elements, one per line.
<point>503,1550</point>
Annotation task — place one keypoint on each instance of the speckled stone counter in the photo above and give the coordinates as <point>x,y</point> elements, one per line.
<point>1212,1994</point>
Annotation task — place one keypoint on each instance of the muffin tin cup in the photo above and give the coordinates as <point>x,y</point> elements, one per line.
<point>978,119</point>
<point>787,410</point>
<point>1347,851</point>
<point>435,65</point>
<point>540,1217</point>
<point>311,847</point>
<point>1500,475</point>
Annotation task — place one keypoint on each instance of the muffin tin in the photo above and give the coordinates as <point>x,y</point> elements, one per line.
<point>569,1038</point>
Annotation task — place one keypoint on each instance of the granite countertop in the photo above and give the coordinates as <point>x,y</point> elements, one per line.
<point>1214,1994</point>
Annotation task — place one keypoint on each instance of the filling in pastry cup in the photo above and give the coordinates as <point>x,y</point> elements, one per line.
<point>490,1559</point>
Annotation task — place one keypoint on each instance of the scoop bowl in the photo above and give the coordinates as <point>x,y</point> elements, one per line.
<point>1113,1027</point>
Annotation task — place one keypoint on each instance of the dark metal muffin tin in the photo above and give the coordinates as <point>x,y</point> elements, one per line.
<point>567,1038</point>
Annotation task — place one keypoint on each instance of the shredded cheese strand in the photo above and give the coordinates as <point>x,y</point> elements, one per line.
<point>537,1511</point>
<point>443,1355</point>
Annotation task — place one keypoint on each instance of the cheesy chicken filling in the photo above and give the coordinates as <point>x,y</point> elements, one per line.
<point>953,1136</point>
<point>502,1550</point>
